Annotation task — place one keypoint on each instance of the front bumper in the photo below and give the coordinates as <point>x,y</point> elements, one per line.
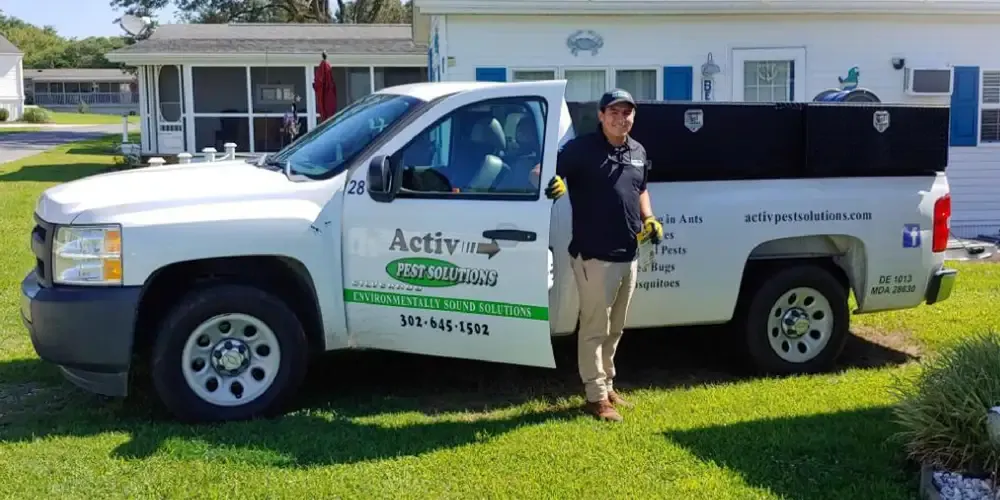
<point>87,331</point>
<point>941,285</point>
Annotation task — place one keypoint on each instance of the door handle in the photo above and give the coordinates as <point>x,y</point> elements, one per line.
<point>510,234</point>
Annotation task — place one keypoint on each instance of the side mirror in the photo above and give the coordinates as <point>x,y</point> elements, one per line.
<point>383,179</point>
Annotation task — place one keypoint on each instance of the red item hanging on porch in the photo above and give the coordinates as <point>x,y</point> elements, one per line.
<point>326,90</point>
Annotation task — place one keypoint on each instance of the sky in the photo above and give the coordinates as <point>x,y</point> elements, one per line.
<point>73,18</point>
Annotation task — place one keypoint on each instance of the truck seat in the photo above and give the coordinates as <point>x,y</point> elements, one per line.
<point>487,144</point>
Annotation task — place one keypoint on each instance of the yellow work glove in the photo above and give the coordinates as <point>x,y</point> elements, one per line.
<point>651,230</point>
<point>556,188</point>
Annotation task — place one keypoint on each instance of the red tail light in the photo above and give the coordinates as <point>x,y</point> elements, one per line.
<point>942,223</point>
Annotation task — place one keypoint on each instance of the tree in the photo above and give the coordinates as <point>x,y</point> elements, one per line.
<point>374,11</point>
<point>43,48</point>
<point>281,11</point>
<point>228,11</point>
<point>304,11</point>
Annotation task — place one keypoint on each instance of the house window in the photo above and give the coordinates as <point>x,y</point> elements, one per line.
<point>391,77</point>
<point>519,75</point>
<point>359,83</point>
<point>767,81</point>
<point>585,85</point>
<point>275,93</point>
<point>641,83</point>
<point>989,130</point>
<point>769,75</point>
<point>276,88</point>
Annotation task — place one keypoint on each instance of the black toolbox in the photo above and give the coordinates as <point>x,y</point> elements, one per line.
<point>699,141</point>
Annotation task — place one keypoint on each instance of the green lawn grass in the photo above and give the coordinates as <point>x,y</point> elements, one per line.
<point>382,425</point>
<point>18,130</point>
<point>74,118</point>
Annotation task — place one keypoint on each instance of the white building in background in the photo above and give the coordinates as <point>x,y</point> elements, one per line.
<point>904,51</point>
<point>11,83</point>
<point>203,85</point>
<point>102,90</point>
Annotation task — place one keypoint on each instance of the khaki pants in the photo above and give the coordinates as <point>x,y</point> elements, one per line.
<point>605,290</point>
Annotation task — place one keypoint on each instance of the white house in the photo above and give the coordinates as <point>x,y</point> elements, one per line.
<point>906,51</point>
<point>203,85</point>
<point>11,83</point>
<point>102,90</point>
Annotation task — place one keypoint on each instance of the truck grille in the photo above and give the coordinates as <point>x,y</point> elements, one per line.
<point>41,245</point>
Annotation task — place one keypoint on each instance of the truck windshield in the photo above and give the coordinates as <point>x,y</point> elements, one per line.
<point>333,144</point>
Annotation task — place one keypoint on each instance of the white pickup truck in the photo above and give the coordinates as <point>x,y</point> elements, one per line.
<point>410,222</point>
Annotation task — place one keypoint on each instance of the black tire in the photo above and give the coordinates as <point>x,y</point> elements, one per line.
<point>757,306</point>
<point>202,304</point>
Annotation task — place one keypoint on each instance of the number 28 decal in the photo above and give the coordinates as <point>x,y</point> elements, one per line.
<point>355,187</point>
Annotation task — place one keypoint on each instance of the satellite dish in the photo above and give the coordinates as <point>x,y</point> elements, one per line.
<point>134,25</point>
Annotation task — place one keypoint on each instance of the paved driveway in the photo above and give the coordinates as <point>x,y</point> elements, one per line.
<point>14,146</point>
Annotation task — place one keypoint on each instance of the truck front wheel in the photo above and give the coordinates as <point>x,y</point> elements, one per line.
<point>796,321</point>
<point>228,352</point>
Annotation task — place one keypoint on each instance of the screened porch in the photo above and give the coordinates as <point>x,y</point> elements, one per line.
<point>193,107</point>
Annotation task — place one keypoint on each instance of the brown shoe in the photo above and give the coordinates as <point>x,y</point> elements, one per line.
<point>615,399</point>
<point>602,410</point>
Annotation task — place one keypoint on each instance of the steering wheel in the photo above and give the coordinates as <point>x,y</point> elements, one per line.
<point>426,181</point>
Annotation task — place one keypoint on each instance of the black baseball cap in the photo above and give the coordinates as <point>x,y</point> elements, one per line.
<point>616,96</point>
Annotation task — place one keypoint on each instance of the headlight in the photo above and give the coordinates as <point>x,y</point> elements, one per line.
<point>87,255</point>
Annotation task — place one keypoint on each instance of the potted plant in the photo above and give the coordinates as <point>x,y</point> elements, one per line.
<point>950,418</point>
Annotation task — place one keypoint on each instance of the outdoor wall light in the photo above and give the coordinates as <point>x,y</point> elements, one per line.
<point>710,69</point>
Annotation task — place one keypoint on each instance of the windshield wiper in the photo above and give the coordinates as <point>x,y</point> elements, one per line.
<point>284,165</point>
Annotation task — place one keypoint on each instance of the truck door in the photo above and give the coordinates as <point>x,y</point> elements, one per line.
<point>453,261</point>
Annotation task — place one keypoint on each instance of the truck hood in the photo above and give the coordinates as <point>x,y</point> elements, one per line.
<point>149,188</point>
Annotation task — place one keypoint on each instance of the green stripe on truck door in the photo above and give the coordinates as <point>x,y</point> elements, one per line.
<point>448,304</point>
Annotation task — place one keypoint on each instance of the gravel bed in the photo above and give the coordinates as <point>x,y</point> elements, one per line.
<point>957,487</point>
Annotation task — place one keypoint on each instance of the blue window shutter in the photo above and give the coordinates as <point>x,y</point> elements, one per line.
<point>791,81</point>
<point>491,74</point>
<point>965,106</point>
<point>678,83</point>
<point>430,65</point>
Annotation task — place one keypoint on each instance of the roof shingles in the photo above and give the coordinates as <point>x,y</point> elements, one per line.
<point>277,39</point>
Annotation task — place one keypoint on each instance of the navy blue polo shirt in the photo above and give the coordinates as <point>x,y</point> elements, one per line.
<point>604,183</point>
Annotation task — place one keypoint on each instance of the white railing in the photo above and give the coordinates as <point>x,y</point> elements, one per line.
<point>90,98</point>
<point>208,155</point>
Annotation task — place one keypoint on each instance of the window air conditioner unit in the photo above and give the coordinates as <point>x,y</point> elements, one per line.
<point>928,81</point>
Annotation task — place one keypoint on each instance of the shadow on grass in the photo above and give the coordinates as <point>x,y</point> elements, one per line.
<point>832,455</point>
<point>54,173</point>
<point>655,359</point>
<point>94,148</point>
<point>347,386</point>
<point>324,434</point>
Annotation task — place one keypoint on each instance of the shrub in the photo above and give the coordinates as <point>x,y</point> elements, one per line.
<point>37,115</point>
<point>4,114</point>
<point>82,108</point>
<point>943,410</point>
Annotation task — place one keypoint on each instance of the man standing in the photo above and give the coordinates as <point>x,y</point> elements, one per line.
<point>606,171</point>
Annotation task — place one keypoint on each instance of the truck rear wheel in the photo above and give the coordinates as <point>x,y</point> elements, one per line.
<point>228,352</point>
<point>796,320</point>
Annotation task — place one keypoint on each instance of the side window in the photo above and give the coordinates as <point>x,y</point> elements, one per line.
<point>486,148</point>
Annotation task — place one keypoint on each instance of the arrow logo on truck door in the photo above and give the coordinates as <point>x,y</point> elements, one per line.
<point>438,244</point>
<point>490,249</point>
